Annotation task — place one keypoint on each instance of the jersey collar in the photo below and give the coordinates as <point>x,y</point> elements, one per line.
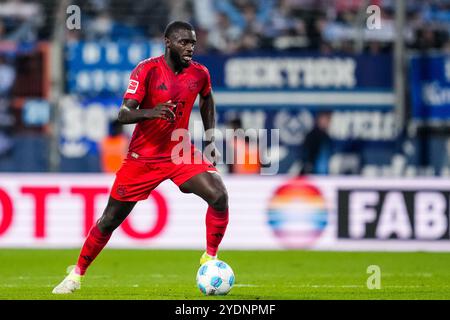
<point>167,66</point>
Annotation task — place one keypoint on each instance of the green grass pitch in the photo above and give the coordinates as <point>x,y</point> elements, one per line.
<point>170,274</point>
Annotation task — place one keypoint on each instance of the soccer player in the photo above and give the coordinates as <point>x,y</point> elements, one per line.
<point>159,98</point>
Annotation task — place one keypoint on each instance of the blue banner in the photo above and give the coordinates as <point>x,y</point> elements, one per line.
<point>430,87</point>
<point>299,71</point>
<point>103,68</point>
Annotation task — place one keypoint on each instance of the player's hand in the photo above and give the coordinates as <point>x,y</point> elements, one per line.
<point>212,153</point>
<point>163,110</point>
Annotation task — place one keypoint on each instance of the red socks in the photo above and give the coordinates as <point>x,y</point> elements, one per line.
<point>216,224</point>
<point>93,244</point>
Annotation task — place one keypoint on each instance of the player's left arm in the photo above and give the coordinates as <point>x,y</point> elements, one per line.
<point>208,114</point>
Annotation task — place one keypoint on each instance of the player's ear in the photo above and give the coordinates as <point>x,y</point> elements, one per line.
<point>167,41</point>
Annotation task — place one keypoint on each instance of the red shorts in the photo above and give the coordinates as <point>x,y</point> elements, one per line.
<point>136,179</point>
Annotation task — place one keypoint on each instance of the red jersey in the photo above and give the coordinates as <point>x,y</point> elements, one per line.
<point>153,82</point>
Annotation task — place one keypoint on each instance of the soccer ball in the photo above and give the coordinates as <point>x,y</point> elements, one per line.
<point>215,277</point>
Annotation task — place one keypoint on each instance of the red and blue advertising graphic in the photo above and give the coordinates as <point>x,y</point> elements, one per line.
<point>298,214</point>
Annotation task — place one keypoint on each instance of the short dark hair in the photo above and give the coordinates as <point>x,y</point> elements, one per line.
<point>177,25</point>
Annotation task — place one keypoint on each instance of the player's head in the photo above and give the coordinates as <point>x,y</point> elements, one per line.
<point>180,40</point>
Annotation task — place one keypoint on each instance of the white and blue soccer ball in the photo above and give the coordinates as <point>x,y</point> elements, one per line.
<point>215,277</point>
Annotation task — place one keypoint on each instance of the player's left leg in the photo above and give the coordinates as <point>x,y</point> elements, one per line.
<point>114,214</point>
<point>210,187</point>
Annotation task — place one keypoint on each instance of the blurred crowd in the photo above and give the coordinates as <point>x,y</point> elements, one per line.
<point>230,26</point>
<point>239,25</point>
<point>21,20</point>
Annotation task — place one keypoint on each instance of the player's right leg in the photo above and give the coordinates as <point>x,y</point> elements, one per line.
<point>114,214</point>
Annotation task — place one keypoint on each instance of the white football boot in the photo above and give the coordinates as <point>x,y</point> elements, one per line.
<point>70,283</point>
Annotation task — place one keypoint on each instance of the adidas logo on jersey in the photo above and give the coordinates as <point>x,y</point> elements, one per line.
<point>162,86</point>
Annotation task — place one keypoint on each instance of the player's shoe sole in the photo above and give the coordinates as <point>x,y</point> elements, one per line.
<point>206,257</point>
<point>70,284</point>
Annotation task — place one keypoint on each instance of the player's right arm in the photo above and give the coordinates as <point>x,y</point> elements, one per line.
<point>129,112</point>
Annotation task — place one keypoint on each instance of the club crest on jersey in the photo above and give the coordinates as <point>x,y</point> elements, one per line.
<point>121,190</point>
<point>192,85</point>
<point>132,86</point>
